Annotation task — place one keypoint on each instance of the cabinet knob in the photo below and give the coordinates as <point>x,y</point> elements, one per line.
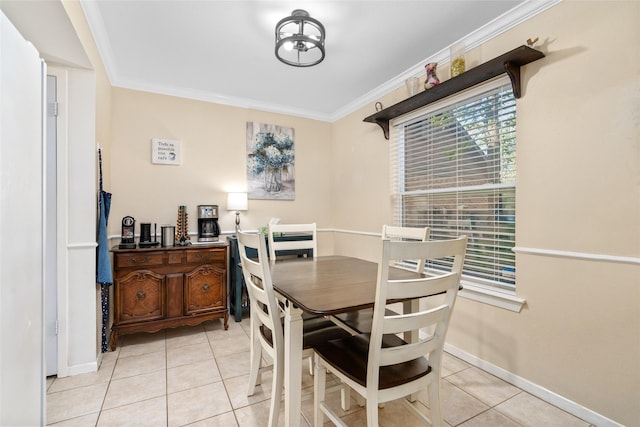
<point>205,288</point>
<point>141,295</point>
<point>206,256</point>
<point>135,261</point>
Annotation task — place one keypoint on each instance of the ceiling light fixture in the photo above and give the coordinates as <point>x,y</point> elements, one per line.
<point>300,40</point>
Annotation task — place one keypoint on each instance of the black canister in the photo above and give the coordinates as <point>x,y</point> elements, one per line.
<point>145,232</point>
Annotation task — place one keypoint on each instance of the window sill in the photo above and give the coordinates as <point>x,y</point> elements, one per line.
<point>508,301</point>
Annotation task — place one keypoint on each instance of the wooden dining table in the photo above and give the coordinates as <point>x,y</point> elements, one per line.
<point>325,286</point>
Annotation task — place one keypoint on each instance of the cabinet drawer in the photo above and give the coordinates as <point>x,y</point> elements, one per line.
<point>174,258</point>
<point>206,256</point>
<point>139,260</point>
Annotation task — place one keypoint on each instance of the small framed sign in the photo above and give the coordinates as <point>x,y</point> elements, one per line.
<point>165,151</point>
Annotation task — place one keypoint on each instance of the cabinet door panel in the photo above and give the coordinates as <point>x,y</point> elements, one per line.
<point>175,295</point>
<point>205,290</point>
<point>140,296</point>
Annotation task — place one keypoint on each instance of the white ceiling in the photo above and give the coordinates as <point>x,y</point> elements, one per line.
<point>223,50</point>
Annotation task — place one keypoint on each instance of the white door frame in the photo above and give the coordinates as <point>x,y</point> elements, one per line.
<point>78,343</point>
<point>50,243</point>
<point>61,215</point>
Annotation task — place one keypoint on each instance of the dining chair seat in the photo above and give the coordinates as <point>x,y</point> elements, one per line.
<point>312,335</point>
<point>311,323</point>
<point>315,329</point>
<point>360,321</point>
<point>349,355</point>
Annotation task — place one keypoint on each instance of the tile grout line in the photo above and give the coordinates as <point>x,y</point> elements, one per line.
<point>104,399</point>
<point>226,390</point>
<point>166,380</point>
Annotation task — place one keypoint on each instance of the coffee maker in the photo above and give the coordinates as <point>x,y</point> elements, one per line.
<point>208,228</point>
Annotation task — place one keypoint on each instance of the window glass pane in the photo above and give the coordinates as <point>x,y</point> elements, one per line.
<point>455,171</point>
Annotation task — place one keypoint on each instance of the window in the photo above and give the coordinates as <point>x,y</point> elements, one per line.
<point>454,170</point>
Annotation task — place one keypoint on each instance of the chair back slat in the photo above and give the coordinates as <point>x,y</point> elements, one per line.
<point>263,314</point>
<point>418,288</point>
<point>293,245</point>
<point>390,232</point>
<point>264,307</point>
<point>395,355</point>
<point>441,280</point>
<point>437,249</point>
<point>413,321</point>
<point>283,245</point>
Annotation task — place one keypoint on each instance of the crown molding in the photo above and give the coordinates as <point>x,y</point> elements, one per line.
<point>99,34</point>
<point>231,101</point>
<point>503,23</point>
<point>498,26</point>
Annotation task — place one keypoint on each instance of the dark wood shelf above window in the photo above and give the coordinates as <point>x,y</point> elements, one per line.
<point>509,63</point>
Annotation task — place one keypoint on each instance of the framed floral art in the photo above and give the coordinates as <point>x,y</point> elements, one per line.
<point>270,162</point>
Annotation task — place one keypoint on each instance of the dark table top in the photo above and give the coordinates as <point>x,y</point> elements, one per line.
<point>330,284</point>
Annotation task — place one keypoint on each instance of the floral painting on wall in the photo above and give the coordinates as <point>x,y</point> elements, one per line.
<point>270,162</point>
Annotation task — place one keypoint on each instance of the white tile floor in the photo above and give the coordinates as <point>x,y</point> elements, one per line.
<point>198,376</point>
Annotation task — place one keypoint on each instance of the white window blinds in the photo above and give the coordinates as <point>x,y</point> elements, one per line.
<point>453,169</point>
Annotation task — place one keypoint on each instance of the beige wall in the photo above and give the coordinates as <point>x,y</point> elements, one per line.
<point>578,191</point>
<point>103,86</point>
<point>213,145</point>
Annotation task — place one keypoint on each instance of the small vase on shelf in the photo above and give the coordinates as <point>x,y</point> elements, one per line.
<point>458,65</point>
<point>432,79</point>
<point>413,84</point>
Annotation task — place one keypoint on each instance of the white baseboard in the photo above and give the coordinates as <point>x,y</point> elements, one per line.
<point>82,369</point>
<point>534,389</point>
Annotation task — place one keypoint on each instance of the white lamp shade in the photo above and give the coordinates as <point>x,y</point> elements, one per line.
<point>237,202</point>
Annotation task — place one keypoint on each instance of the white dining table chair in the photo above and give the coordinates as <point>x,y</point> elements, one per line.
<point>380,366</point>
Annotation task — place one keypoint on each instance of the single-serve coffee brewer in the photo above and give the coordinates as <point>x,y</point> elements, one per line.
<point>208,228</point>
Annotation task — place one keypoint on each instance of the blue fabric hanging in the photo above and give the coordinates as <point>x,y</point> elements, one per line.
<point>104,274</point>
<point>104,297</point>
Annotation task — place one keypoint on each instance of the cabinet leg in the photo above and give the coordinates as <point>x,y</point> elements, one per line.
<point>226,320</point>
<point>113,340</point>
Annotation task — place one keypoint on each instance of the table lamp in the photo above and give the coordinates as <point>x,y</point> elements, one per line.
<point>237,202</point>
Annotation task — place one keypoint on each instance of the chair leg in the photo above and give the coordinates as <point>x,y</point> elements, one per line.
<point>372,413</point>
<point>276,393</point>
<point>255,376</point>
<point>311,365</point>
<point>319,386</point>
<point>434,403</point>
<point>345,397</point>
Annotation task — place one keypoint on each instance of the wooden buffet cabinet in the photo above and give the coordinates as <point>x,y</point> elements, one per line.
<point>160,288</point>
